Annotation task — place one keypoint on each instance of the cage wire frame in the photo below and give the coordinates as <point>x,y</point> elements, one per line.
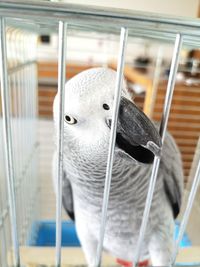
<point>20,83</point>
<point>139,24</point>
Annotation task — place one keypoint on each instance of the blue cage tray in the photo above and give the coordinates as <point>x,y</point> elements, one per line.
<point>43,234</point>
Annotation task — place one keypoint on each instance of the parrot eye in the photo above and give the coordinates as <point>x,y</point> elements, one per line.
<point>70,119</point>
<point>106,106</point>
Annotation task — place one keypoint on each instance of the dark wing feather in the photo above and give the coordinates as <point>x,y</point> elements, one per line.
<point>67,194</point>
<point>67,197</point>
<point>174,196</point>
<point>171,165</point>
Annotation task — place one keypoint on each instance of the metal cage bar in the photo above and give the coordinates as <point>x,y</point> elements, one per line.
<point>120,67</point>
<point>78,13</point>
<point>61,96</point>
<point>3,241</point>
<point>156,79</point>
<point>186,215</point>
<point>21,93</point>
<point>163,127</point>
<point>8,142</point>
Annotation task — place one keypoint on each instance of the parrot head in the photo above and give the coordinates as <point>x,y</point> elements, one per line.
<point>88,110</point>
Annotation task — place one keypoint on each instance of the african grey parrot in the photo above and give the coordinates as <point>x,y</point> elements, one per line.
<point>88,111</point>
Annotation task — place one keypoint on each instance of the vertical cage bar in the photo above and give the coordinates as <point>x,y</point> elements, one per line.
<point>170,85</point>
<point>163,127</point>
<point>61,95</point>
<point>156,79</point>
<point>3,241</point>
<point>120,68</point>
<point>186,215</point>
<point>8,141</point>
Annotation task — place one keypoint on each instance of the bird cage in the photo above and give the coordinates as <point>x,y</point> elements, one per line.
<point>165,87</point>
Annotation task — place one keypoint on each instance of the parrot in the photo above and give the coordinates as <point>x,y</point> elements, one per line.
<point>88,107</point>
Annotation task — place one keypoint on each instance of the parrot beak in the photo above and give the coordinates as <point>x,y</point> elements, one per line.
<point>136,134</point>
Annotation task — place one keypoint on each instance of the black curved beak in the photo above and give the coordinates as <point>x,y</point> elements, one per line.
<point>136,134</point>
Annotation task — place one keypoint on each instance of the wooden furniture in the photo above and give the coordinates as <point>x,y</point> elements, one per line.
<point>184,123</point>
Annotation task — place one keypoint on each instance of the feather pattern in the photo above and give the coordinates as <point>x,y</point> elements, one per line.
<point>85,158</point>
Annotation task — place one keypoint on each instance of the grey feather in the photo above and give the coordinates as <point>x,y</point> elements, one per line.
<point>85,158</point>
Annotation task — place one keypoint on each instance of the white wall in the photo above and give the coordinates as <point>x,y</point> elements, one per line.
<point>188,8</point>
<point>101,48</point>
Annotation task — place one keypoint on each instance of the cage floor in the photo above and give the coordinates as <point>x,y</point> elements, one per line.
<point>45,256</point>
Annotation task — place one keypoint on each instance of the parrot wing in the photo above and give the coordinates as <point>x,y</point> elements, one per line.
<point>67,193</point>
<point>171,163</point>
<point>67,197</point>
